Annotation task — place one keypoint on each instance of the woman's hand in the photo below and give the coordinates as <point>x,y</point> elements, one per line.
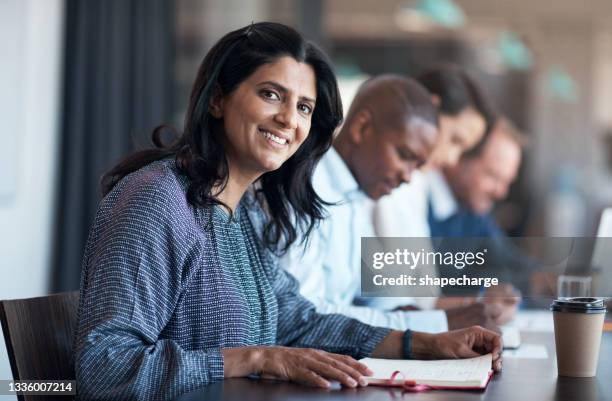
<point>464,343</point>
<point>302,365</point>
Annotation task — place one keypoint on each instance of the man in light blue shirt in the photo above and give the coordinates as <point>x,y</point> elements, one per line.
<point>390,130</point>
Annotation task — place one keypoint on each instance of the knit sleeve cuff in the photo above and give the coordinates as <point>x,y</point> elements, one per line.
<point>209,365</point>
<point>376,336</point>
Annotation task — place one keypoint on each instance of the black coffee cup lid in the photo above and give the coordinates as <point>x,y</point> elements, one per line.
<point>579,305</point>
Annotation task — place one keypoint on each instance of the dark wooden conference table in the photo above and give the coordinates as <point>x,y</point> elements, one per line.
<point>521,379</point>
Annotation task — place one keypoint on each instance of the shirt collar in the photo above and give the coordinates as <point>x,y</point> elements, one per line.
<point>345,182</point>
<point>443,201</point>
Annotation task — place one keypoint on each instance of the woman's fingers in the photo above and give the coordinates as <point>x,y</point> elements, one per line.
<point>360,367</point>
<point>470,342</point>
<point>329,372</point>
<point>310,378</point>
<point>313,367</point>
<point>350,369</point>
<point>491,342</point>
<point>467,352</point>
<point>497,365</point>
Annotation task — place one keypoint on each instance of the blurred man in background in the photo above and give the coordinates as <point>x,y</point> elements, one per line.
<point>463,198</point>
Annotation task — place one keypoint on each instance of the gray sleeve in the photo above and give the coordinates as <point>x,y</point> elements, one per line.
<point>299,325</point>
<point>135,263</point>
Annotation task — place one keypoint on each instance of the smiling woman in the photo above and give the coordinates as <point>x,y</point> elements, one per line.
<point>179,285</point>
<point>261,79</point>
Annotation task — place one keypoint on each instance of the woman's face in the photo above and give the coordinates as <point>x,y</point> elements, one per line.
<point>458,133</point>
<point>267,117</point>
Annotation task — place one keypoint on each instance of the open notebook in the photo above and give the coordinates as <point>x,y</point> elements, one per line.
<point>465,374</point>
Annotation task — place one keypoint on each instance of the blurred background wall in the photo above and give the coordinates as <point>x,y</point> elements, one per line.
<point>31,49</point>
<point>84,82</point>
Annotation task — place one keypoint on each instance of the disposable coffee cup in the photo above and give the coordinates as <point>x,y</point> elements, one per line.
<point>578,328</point>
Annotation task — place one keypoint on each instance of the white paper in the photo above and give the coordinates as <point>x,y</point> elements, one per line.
<point>452,370</point>
<point>527,351</point>
<point>511,337</point>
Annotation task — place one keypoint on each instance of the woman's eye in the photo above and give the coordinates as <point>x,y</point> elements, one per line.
<point>271,95</point>
<point>304,108</point>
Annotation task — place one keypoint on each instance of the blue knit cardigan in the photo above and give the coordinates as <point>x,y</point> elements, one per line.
<point>166,286</point>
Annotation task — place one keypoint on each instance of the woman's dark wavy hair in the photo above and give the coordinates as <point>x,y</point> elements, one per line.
<point>287,193</point>
<point>457,91</point>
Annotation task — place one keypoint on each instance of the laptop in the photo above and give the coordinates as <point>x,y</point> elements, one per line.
<point>601,260</point>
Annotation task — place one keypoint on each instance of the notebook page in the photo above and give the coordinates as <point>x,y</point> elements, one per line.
<point>450,370</point>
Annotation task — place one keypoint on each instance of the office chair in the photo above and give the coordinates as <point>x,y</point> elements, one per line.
<point>38,333</point>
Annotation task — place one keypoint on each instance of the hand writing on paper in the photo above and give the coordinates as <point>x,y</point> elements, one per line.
<point>464,343</point>
<point>507,298</point>
<point>476,314</point>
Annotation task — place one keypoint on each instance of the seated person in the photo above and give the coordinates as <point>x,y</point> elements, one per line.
<point>180,286</point>
<point>466,115</point>
<point>390,130</point>
<point>463,196</point>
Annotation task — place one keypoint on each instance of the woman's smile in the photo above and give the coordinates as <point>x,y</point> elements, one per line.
<point>276,139</point>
